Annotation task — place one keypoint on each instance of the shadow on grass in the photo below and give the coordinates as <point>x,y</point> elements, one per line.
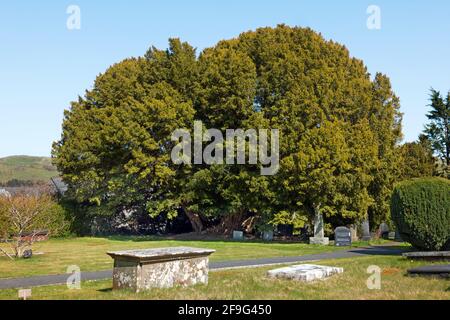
<point>106,290</point>
<point>382,251</point>
<point>197,239</point>
<point>130,238</point>
<point>396,248</point>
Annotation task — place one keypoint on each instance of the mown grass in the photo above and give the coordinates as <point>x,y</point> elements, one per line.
<point>253,284</point>
<point>90,253</point>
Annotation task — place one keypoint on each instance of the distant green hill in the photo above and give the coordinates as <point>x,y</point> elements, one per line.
<point>26,168</point>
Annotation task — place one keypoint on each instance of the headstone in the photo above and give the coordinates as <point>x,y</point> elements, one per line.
<point>319,232</point>
<point>27,254</point>
<point>391,235</point>
<point>304,272</point>
<point>267,235</point>
<point>238,235</point>
<point>342,237</point>
<point>354,232</point>
<point>366,231</point>
<point>398,237</point>
<point>384,230</point>
<point>141,270</point>
<point>285,230</point>
<point>24,294</point>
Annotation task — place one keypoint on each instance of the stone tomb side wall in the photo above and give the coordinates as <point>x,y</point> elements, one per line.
<point>144,276</point>
<point>125,275</point>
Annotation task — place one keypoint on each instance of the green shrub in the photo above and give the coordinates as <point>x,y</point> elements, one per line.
<point>420,208</point>
<point>58,221</point>
<point>23,216</point>
<point>298,220</point>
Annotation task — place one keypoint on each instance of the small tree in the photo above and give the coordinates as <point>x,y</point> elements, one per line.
<point>438,130</point>
<point>418,159</point>
<point>24,216</point>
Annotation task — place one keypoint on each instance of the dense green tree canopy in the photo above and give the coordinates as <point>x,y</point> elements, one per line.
<point>418,159</point>
<point>438,129</point>
<point>339,130</point>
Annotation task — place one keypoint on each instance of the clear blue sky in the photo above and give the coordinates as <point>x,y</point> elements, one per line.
<point>44,66</point>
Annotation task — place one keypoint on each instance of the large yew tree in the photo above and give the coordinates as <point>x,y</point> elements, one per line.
<point>339,130</point>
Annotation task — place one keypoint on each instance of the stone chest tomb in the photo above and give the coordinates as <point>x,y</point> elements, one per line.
<point>140,270</point>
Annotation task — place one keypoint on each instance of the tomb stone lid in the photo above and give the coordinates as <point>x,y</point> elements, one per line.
<point>439,269</point>
<point>343,230</point>
<point>429,254</point>
<point>161,254</point>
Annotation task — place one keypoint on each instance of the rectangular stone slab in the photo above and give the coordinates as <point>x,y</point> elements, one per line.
<point>160,254</point>
<point>437,255</point>
<point>305,272</point>
<point>141,270</point>
<point>443,270</point>
<point>319,241</point>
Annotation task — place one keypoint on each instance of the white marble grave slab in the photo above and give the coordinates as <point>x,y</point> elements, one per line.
<point>305,272</point>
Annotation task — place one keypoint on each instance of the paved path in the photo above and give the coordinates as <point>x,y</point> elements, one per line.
<point>102,275</point>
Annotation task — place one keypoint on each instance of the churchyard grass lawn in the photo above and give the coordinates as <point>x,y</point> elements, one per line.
<point>90,253</point>
<point>253,284</point>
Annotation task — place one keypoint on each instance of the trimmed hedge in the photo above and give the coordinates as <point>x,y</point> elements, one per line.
<point>420,208</point>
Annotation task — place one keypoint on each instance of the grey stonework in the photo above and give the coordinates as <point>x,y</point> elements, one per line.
<point>354,232</point>
<point>430,255</point>
<point>238,235</point>
<point>142,270</point>
<point>304,272</point>
<point>365,226</point>
<point>342,237</point>
<point>319,231</point>
<point>267,236</point>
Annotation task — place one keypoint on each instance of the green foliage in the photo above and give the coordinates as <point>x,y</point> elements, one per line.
<point>339,130</point>
<point>385,119</point>
<point>298,220</point>
<point>59,221</point>
<point>420,209</point>
<point>115,149</point>
<point>330,171</point>
<point>24,213</point>
<point>23,216</point>
<point>438,130</point>
<point>418,159</point>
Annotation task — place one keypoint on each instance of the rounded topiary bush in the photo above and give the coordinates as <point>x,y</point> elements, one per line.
<point>420,208</point>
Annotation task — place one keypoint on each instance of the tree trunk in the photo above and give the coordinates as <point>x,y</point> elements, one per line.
<point>229,223</point>
<point>195,220</point>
